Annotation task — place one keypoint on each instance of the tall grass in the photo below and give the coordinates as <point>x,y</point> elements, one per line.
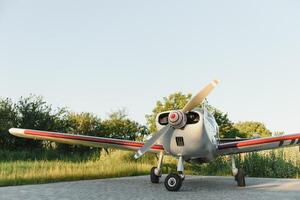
<point>280,163</point>
<point>17,168</point>
<point>115,164</point>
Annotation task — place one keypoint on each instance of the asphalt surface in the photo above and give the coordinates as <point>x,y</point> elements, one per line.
<point>194,187</point>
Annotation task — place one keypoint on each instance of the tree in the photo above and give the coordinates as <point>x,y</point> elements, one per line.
<point>119,126</point>
<point>34,113</point>
<point>84,124</point>
<point>178,100</point>
<point>174,101</point>
<point>226,127</point>
<point>8,119</point>
<point>251,128</point>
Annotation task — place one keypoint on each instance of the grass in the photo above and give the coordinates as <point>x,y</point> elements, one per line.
<point>23,172</point>
<point>116,164</point>
<point>280,163</point>
<point>18,168</point>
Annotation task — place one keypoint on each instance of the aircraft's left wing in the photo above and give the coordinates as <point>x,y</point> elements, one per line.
<point>259,144</point>
<point>82,140</point>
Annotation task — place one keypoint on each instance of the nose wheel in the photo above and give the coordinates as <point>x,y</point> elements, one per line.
<point>173,182</point>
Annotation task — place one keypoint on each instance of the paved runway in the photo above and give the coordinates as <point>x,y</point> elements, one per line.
<point>194,187</point>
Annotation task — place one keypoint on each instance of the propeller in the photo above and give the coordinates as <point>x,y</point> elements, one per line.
<point>167,129</point>
<point>199,98</point>
<point>177,119</point>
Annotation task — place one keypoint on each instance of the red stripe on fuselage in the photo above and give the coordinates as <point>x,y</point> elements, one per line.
<point>259,141</point>
<point>90,139</point>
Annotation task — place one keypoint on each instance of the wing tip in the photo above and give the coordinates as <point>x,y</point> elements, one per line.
<point>16,131</point>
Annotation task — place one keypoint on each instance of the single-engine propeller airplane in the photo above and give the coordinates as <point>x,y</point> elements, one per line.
<point>189,134</point>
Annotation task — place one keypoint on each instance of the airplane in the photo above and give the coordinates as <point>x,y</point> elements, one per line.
<point>190,134</point>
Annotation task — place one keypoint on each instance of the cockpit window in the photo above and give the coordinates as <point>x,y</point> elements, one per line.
<point>192,118</point>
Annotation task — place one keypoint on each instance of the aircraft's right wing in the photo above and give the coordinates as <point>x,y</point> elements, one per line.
<point>82,140</point>
<point>258,144</point>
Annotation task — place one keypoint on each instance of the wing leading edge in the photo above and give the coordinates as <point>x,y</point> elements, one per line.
<point>259,144</point>
<point>82,140</point>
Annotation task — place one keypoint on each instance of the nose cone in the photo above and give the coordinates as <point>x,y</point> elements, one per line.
<point>177,119</point>
<point>173,115</point>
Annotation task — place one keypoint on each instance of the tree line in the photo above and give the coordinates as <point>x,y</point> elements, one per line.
<point>33,112</point>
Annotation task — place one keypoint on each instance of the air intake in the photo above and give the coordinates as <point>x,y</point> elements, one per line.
<point>179,141</point>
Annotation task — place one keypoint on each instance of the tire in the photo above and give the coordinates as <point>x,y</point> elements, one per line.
<point>173,182</point>
<point>182,177</point>
<point>240,178</point>
<point>153,177</point>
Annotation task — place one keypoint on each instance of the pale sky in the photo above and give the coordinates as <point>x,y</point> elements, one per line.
<point>98,56</point>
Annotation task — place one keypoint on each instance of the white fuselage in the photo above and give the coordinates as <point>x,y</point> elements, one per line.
<point>196,141</point>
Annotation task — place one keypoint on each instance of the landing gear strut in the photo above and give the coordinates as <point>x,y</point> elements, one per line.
<point>238,173</point>
<point>173,181</point>
<point>155,173</point>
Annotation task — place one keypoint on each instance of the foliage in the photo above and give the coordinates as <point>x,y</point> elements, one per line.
<point>226,127</point>
<point>251,129</point>
<point>8,119</point>
<point>44,171</point>
<point>85,124</point>
<point>81,123</point>
<point>34,113</point>
<point>19,167</point>
<point>174,101</point>
<point>119,126</point>
<point>48,154</point>
<point>270,164</point>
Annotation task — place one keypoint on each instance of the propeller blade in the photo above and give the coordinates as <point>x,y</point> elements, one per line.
<point>198,99</point>
<point>166,130</point>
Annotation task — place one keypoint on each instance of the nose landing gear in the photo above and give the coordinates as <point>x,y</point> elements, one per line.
<point>173,181</point>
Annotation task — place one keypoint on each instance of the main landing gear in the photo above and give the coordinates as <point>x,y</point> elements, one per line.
<point>238,173</point>
<point>155,173</point>
<point>173,181</point>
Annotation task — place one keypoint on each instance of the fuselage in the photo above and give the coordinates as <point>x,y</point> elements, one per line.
<point>197,140</point>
